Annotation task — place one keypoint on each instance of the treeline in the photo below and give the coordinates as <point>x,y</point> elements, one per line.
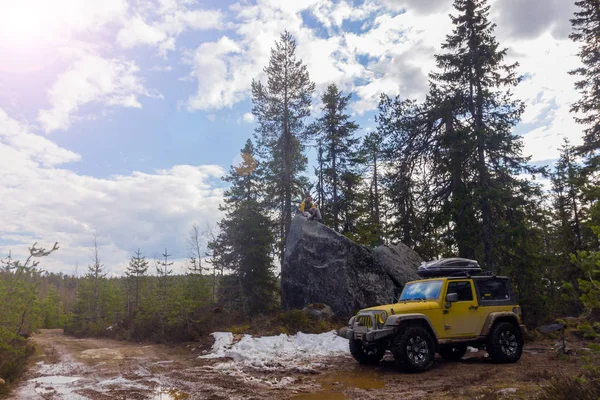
<point>26,305</point>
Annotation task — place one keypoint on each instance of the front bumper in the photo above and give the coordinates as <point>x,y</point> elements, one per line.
<point>367,327</point>
<point>366,335</point>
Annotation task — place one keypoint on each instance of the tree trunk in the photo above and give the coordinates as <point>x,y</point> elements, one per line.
<point>287,161</point>
<point>335,209</point>
<point>377,219</point>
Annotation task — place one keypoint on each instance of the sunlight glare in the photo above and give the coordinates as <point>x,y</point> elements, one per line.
<point>21,21</point>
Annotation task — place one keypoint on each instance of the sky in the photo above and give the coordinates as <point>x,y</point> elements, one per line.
<point>118,118</point>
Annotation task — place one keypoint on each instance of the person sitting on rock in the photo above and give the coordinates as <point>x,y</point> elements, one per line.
<point>312,211</point>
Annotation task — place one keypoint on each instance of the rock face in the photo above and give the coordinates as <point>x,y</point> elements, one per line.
<point>399,261</point>
<point>323,266</point>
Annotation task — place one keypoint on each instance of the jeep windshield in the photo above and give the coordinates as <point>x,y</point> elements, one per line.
<point>429,290</point>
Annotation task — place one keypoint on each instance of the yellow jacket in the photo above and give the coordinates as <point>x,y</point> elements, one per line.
<point>303,205</point>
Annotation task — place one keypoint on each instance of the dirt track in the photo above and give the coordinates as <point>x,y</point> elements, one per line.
<point>73,368</point>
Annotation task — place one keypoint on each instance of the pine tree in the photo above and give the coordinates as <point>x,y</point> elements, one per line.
<point>340,153</point>
<point>135,274</point>
<point>280,107</point>
<point>245,242</point>
<point>586,30</point>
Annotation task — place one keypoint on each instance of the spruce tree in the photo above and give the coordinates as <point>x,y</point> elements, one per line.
<point>281,107</point>
<point>245,242</point>
<point>567,181</point>
<point>135,273</point>
<point>586,31</point>
<point>476,83</point>
<point>371,153</point>
<point>339,155</point>
<point>96,276</point>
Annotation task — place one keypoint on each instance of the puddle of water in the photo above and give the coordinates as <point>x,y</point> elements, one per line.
<point>169,394</point>
<point>334,384</point>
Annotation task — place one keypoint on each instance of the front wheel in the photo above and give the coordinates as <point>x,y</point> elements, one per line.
<point>453,353</point>
<point>366,355</point>
<point>505,343</point>
<point>414,349</point>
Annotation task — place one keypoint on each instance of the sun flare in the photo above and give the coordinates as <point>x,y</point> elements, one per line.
<point>21,22</point>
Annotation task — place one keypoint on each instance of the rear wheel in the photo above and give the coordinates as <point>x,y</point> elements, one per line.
<point>505,343</point>
<point>366,355</point>
<point>453,353</point>
<point>414,349</point>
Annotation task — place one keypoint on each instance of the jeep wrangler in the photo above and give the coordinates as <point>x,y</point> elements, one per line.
<point>444,315</point>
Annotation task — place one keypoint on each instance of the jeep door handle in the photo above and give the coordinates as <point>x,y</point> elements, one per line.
<point>473,308</point>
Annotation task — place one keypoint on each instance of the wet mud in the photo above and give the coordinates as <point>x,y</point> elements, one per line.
<point>71,368</point>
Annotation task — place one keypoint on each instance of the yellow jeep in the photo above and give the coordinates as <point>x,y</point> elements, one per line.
<point>443,314</point>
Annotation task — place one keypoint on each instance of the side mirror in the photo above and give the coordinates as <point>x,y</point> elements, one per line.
<point>452,297</point>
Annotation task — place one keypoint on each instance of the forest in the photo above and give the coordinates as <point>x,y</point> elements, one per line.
<point>446,176</point>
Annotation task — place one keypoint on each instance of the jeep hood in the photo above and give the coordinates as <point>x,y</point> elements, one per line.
<point>407,307</point>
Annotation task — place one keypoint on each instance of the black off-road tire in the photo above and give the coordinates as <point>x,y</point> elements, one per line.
<point>414,349</point>
<point>364,355</point>
<point>453,353</point>
<point>505,343</point>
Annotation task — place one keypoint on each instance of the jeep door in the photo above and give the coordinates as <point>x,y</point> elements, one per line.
<point>461,318</point>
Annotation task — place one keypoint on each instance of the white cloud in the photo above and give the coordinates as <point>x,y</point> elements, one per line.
<point>139,32</point>
<point>248,117</point>
<point>44,203</point>
<point>161,26</point>
<point>548,92</point>
<point>92,79</point>
<point>213,70</point>
<point>420,6</point>
<point>30,146</point>
<point>399,46</point>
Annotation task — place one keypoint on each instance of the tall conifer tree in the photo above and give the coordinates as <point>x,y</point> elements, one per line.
<point>281,107</point>
<point>476,83</point>
<point>245,243</point>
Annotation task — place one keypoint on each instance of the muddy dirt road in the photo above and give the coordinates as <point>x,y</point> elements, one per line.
<point>71,368</point>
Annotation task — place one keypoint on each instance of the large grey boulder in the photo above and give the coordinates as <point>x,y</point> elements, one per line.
<point>399,261</point>
<point>323,266</point>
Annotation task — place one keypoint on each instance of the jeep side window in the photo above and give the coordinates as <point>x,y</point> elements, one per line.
<point>463,289</point>
<point>492,289</point>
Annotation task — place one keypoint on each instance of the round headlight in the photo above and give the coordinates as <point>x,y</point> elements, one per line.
<point>383,316</point>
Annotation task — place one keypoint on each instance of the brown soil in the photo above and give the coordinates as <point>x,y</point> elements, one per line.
<point>109,369</point>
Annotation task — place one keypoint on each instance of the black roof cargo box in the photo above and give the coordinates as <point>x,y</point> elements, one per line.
<point>448,267</point>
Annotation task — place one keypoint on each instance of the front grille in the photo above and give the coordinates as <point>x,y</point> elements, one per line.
<point>366,321</point>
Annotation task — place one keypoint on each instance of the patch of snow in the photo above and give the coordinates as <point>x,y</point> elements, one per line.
<point>472,349</point>
<point>55,380</point>
<point>266,349</point>
<point>121,382</point>
<point>62,368</point>
<point>508,391</point>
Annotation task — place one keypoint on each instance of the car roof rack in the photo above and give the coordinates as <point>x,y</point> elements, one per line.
<point>447,267</point>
